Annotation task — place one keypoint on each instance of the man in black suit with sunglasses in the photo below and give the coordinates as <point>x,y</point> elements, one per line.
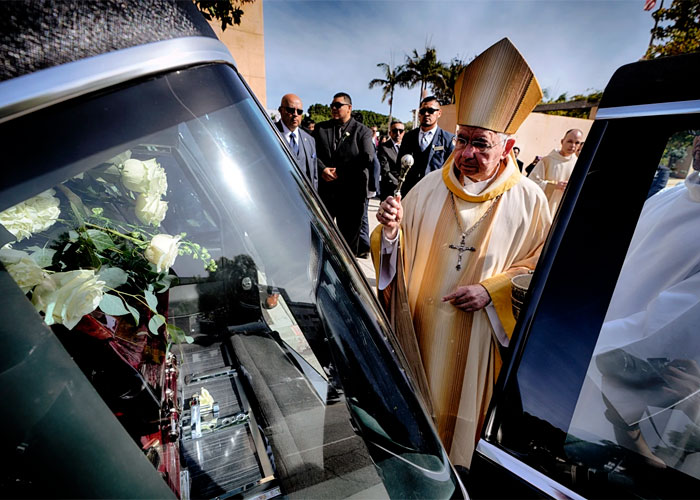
<point>346,168</point>
<point>300,142</point>
<point>429,145</point>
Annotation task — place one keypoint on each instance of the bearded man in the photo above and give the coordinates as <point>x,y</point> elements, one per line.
<point>446,254</point>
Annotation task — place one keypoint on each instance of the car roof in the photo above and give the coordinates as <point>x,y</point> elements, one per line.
<point>663,80</point>
<point>39,35</point>
<point>54,51</point>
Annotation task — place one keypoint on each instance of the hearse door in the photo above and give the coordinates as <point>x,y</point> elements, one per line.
<point>601,398</point>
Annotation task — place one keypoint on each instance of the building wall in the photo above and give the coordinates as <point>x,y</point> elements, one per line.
<point>246,42</point>
<point>538,134</point>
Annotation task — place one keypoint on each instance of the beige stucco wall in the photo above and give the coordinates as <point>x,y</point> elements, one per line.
<point>538,134</point>
<point>246,42</point>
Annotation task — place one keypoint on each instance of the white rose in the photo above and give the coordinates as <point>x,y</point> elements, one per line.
<point>32,216</point>
<point>66,297</point>
<point>162,251</point>
<point>23,269</point>
<point>144,176</point>
<point>157,180</point>
<point>150,209</point>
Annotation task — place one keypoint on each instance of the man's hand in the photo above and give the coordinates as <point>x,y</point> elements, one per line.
<point>328,174</point>
<point>469,298</point>
<point>389,215</point>
<point>561,185</point>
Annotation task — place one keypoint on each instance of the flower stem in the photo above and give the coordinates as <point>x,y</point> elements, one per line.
<point>116,233</point>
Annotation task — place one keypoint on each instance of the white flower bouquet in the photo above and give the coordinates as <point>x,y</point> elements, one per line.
<point>95,261</point>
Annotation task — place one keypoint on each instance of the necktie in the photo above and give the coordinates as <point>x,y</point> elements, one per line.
<point>293,143</point>
<point>424,142</point>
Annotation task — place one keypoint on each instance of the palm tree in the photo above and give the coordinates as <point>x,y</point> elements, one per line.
<point>392,78</point>
<point>424,69</point>
<point>444,89</point>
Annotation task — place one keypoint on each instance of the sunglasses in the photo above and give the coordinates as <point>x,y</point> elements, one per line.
<point>291,110</point>
<point>429,111</point>
<point>338,105</point>
<point>398,130</point>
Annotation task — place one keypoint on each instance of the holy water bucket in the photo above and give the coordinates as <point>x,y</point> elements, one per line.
<point>519,286</point>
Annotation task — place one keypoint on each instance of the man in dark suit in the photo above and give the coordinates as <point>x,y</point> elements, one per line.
<point>388,152</point>
<point>429,145</point>
<point>516,153</point>
<point>301,144</point>
<point>345,162</point>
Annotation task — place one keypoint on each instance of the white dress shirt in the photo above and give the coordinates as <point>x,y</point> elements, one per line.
<point>286,133</point>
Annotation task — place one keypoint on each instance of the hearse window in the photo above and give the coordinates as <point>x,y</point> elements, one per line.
<point>163,234</point>
<point>639,407</point>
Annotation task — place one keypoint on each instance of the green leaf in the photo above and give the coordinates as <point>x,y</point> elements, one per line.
<point>100,239</point>
<point>156,322</point>
<point>178,335</point>
<point>43,256</point>
<point>78,213</point>
<point>114,277</point>
<point>134,312</point>
<point>73,235</point>
<point>113,305</point>
<point>165,282</point>
<point>151,300</point>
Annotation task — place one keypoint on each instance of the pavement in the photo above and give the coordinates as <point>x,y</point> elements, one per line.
<point>366,264</point>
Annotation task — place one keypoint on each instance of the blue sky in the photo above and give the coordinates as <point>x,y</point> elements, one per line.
<point>318,48</point>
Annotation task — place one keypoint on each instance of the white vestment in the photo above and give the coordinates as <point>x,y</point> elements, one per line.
<point>549,170</point>
<point>459,351</point>
<point>653,320</point>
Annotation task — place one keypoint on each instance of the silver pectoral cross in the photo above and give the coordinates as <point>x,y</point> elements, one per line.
<point>461,249</point>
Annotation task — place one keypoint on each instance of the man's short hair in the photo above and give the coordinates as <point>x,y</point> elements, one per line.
<point>516,147</point>
<point>394,122</point>
<point>573,130</point>
<point>345,97</point>
<point>428,99</point>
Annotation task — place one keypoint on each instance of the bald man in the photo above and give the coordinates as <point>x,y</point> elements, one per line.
<point>301,144</point>
<point>553,171</point>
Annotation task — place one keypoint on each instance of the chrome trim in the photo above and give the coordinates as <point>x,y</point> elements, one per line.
<point>525,472</point>
<point>656,109</point>
<point>52,85</point>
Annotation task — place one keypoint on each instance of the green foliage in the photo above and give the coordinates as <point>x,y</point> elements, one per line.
<point>424,69</point>
<point>229,12</point>
<point>593,98</point>
<point>372,119</point>
<point>321,112</point>
<point>444,88</point>
<point>677,29</point>
<point>393,77</point>
<point>676,147</point>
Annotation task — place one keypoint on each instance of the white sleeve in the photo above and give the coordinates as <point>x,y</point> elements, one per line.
<point>538,175</point>
<point>387,261</point>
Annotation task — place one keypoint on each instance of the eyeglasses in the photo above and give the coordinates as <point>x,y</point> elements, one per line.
<point>291,110</point>
<point>398,130</point>
<point>479,144</point>
<point>429,111</point>
<point>338,105</point>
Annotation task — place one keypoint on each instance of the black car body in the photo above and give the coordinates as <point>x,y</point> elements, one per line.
<point>210,333</point>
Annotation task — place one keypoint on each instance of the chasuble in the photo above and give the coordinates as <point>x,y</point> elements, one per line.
<point>454,355</point>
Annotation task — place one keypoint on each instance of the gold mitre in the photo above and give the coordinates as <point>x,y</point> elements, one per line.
<point>497,90</point>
